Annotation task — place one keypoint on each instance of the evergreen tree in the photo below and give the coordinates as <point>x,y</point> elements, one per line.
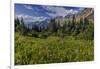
<point>73,23</point>
<point>65,27</point>
<point>52,26</point>
<point>24,29</point>
<point>17,25</point>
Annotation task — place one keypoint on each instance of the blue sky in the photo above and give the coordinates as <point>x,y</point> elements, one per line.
<point>33,13</point>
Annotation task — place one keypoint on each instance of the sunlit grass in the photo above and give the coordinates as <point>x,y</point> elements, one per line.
<point>30,50</point>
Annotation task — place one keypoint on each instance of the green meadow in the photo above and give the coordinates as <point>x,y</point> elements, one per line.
<point>53,49</point>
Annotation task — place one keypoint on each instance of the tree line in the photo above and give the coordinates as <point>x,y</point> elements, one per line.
<point>83,29</point>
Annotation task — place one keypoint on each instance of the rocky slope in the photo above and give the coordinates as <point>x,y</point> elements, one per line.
<point>85,13</point>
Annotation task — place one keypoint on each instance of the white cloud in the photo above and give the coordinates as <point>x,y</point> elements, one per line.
<point>58,11</point>
<point>82,8</point>
<point>28,18</point>
<point>28,7</point>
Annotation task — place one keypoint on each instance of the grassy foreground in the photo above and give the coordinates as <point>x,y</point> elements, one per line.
<point>53,49</point>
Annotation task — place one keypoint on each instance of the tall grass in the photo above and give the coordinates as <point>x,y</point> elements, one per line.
<point>53,49</point>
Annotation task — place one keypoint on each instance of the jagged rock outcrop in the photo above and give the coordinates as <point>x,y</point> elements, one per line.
<point>85,13</point>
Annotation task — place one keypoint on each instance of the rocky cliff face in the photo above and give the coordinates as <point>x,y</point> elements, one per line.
<point>85,13</point>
